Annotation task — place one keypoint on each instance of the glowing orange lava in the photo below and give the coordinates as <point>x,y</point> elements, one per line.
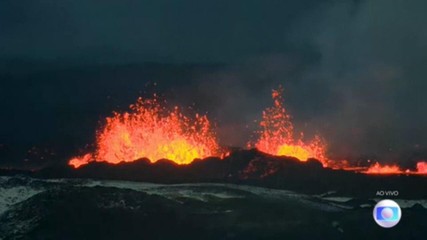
<point>152,131</point>
<point>377,168</point>
<point>395,169</point>
<point>79,161</point>
<point>422,167</point>
<point>277,134</point>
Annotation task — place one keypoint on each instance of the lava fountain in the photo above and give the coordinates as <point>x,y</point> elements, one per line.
<point>152,131</point>
<point>277,136</point>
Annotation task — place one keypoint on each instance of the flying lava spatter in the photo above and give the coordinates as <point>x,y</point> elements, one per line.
<point>152,131</point>
<point>277,136</point>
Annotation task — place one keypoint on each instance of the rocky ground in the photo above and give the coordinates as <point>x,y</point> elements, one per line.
<point>103,209</point>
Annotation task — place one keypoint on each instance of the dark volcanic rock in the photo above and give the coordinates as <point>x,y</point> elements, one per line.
<point>113,210</point>
<point>247,167</point>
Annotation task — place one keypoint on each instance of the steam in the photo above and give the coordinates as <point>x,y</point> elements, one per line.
<point>356,78</point>
<point>353,71</point>
<point>371,58</point>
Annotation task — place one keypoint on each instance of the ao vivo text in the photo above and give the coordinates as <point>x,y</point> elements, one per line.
<point>381,193</point>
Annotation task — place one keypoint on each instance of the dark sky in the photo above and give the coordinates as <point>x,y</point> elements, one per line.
<point>191,31</point>
<point>353,71</point>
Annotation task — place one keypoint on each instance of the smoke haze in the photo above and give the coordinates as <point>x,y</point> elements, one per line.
<point>353,71</point>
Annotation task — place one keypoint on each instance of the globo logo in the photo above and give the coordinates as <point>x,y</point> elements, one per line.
<point>387,213</point>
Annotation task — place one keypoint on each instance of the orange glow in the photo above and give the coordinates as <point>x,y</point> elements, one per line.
<point>395,169</point>
<point>152,131</point>
<point>79,161</point>
<point>422,167</point>
<point>277,134</point>
<point>383,169</point>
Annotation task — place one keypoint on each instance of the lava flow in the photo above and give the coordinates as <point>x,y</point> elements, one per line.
<point>277,135</point>
<point>377,168</point>
<point>151,131</point>
<point>422,167</point>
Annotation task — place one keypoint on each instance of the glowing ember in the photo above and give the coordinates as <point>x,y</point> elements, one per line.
<point>383,169</point>
<point>395,169</point>
<point>79,161</point>
<point>422,167</point>
<point>154,132</point>
<point>277,135</point>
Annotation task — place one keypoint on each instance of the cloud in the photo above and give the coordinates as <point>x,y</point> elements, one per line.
<point>352,70</point>
<point>355,75</point>
<point>372,57</point>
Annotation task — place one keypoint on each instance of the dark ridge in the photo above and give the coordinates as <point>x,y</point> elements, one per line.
<point>250,167</point>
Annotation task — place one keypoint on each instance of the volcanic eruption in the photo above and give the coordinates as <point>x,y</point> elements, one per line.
<point>377,168</point>
<point>277,136</point>
<point>151,130</point>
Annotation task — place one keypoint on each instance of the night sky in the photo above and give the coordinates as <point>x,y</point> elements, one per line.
<point>353,71</point>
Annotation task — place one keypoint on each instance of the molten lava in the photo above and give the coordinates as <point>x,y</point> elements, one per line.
<point>277,134</point>
<point>377,168</point>
<point>79,161</point>
<point>152,131</point>
<point>395,169</point>
<point>422,167</point>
